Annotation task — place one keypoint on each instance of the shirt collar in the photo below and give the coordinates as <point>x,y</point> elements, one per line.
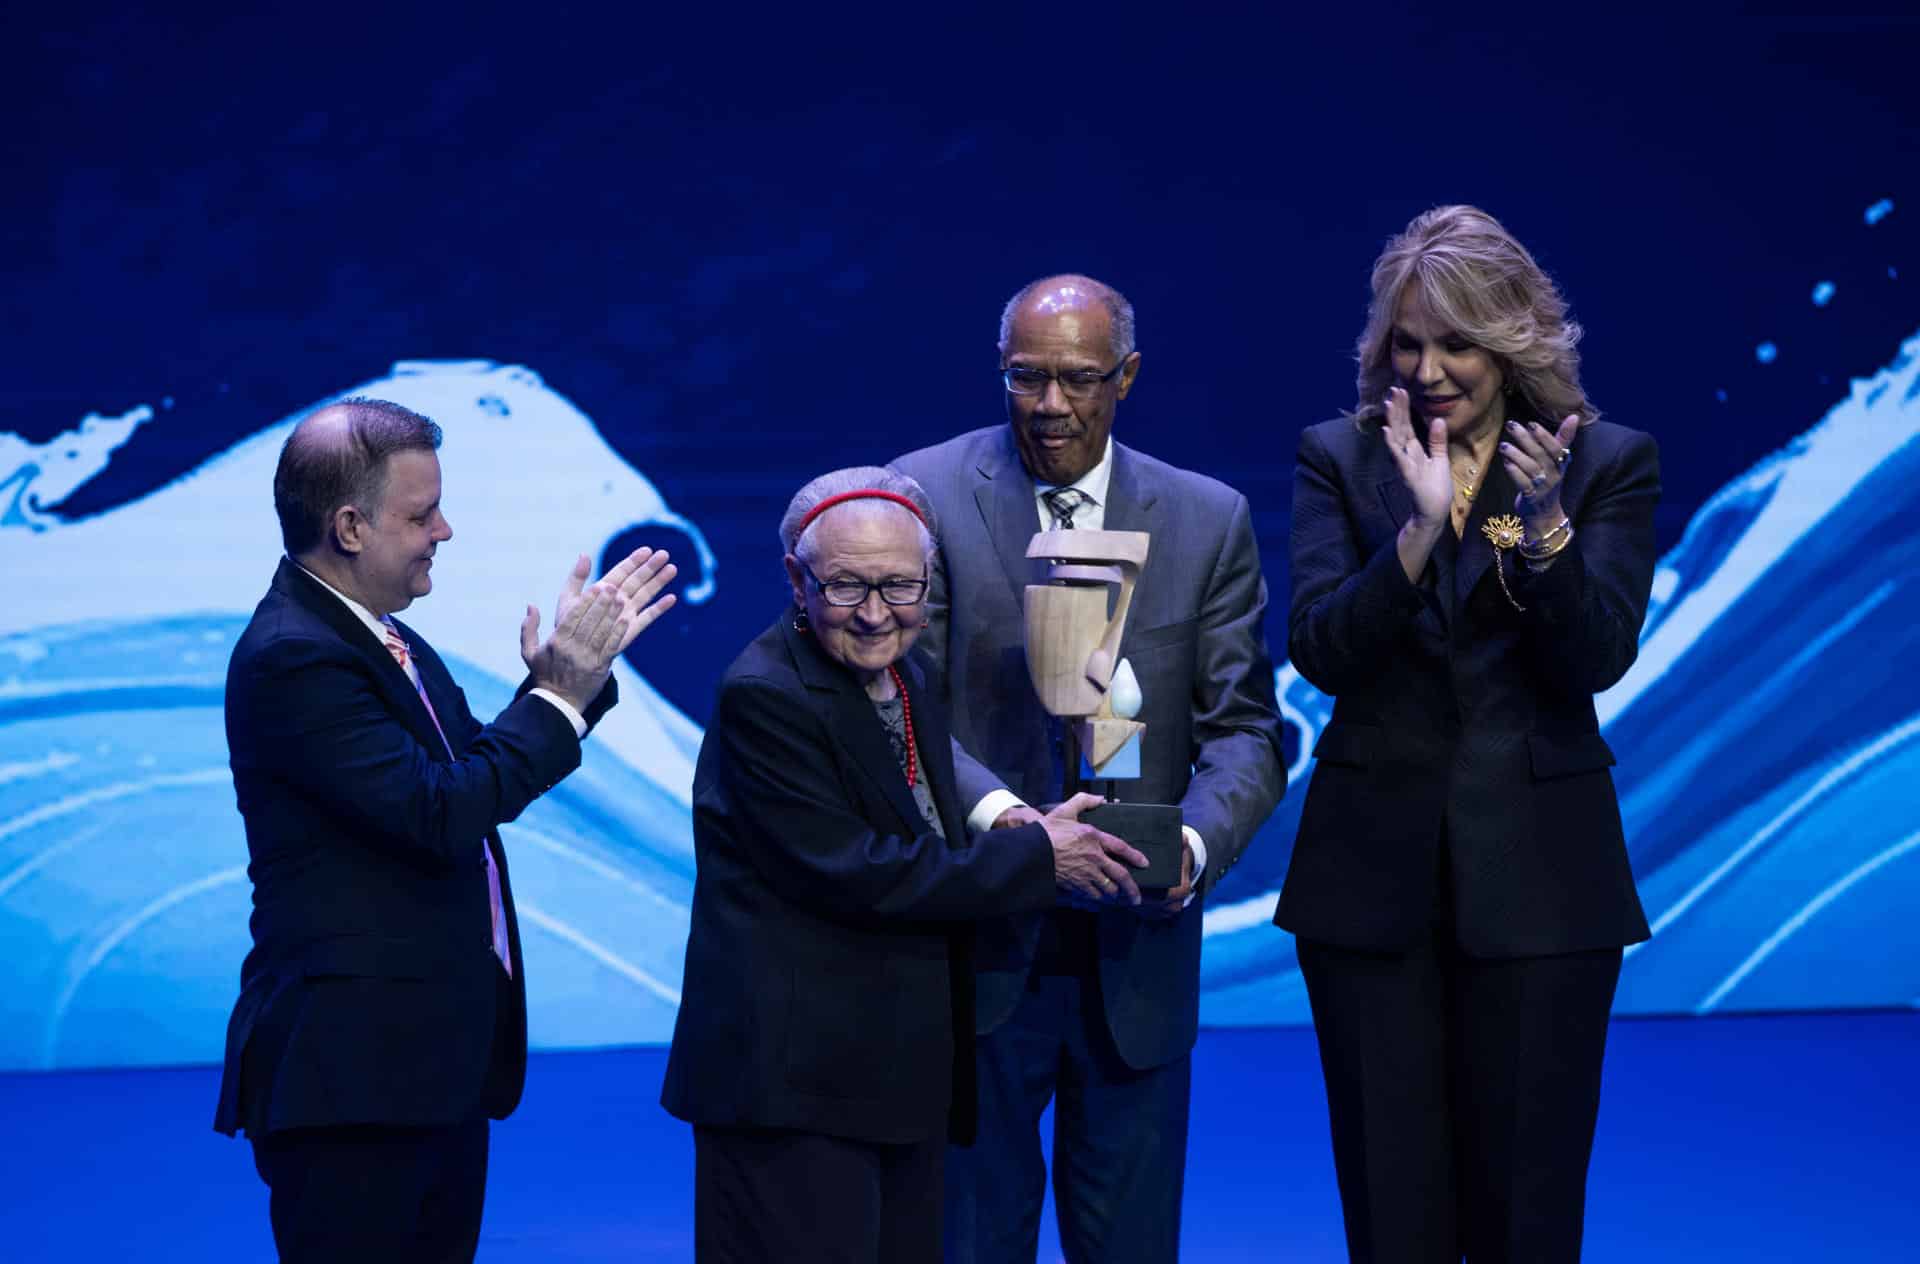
<point>1093,483</point>
<point>375,624</point>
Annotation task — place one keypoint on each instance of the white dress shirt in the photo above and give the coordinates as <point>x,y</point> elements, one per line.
<point>1092,513</point>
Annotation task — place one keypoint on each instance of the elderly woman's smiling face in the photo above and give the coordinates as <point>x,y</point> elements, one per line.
<point>867,542</point>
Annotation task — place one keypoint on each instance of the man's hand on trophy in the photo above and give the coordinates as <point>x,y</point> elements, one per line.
<point>1090,867</point>
<point>1159,905</point>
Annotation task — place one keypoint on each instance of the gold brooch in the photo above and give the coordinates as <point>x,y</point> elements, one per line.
<point>1504,532</point>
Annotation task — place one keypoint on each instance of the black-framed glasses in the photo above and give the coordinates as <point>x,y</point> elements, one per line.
<point>853,592</point>
<point>1074,383</point>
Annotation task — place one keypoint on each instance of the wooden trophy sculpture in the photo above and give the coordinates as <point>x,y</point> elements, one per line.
<point>1073,657</point>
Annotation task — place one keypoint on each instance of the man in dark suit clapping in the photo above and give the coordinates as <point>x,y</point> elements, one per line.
<point>382,1014</point>
<point>1098,1007</point>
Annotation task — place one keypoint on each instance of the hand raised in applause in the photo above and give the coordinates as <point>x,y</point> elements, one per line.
<point>1421,460</point>
<point>594,624</point>
<point>1536,460</point>
<point>1090,867</point>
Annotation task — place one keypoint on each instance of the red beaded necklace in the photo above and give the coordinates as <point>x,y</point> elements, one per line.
<point>906,717</point>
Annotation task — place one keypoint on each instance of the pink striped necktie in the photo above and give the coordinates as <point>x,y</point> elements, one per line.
<point>403,656</point>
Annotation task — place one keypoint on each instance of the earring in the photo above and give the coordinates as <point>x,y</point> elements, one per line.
<point>800,623</point>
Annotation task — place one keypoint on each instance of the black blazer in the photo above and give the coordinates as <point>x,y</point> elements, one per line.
<point>1457,717</point>
<point>371,994</point>
<point>1196,638</point>
<point>828,987</point>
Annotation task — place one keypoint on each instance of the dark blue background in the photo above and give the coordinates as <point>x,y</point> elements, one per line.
<point>756,244</point>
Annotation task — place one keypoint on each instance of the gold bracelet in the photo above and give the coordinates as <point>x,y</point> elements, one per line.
<point>1534,550</point>
<point>1548,554</point>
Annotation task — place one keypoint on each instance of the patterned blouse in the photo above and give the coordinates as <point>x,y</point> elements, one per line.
<point>893,720</point>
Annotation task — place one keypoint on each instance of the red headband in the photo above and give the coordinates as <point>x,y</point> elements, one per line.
<point>864,493</point>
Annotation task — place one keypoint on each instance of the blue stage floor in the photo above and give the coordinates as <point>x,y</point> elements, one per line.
<point>1749,1139</point>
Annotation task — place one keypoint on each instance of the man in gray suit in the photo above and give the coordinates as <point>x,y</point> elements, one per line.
<point>1097,1007</point>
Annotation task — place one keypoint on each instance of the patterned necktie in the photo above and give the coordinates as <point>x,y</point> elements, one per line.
<point>403,656</point>
<point>1063,503</point>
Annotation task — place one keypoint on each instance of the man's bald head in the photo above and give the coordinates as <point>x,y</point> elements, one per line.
<point>1067,292</point>
<point>337,456</point>
<point>1066,348</point>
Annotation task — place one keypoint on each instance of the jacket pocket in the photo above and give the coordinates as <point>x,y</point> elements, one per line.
<point>1352,744</point>
<point>1566,754</point>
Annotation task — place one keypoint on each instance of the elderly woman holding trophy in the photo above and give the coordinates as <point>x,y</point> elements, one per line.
<point>823,1048</point>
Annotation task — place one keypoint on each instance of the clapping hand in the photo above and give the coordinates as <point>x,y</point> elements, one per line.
<point>1422,462</point>
<point>1536,459</point>
<point>594,624</point>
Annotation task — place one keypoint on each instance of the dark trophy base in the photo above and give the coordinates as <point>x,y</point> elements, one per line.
<point>1154,830</point>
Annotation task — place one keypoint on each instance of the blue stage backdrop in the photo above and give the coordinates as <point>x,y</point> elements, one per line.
<point>647,297</point>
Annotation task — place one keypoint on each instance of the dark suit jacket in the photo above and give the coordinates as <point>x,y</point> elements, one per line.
<point>828,983</point>
<point>371,991</point>
<point>1196,640</point>
<point>1458,717</point>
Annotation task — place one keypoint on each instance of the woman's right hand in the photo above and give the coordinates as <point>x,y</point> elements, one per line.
<point>1423,464</point>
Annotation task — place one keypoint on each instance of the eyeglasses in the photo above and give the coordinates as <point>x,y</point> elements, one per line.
<point>853,592</point>
<point>1074,383</point>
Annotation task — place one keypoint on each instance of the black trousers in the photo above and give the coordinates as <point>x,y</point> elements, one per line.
<point>375,1195</point>
<point>1119,1133</point>
<point>1463,1095</point>
<point>762,1194</point>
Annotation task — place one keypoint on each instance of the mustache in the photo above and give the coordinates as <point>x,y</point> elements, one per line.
<point>1055,432</point>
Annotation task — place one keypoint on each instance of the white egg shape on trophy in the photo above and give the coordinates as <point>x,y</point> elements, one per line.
<point>1125,691</point>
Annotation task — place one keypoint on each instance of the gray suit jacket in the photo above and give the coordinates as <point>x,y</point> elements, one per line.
<point>1196,639</point>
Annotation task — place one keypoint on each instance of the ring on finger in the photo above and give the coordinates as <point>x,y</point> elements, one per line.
<point>1539,481</point>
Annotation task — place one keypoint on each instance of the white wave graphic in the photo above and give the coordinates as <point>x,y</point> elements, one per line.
<point>529,482</point>
<point>123,901</point>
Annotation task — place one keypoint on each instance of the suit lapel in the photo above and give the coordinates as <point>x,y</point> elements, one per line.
<point>1132,505</point>
<point>1395,496</point>
<point>851,719</point>
<point>1476,553</point>
<point>387,674</point>
<point>444,744</point>
<point>1437,594</point>
<point>1003,493</point>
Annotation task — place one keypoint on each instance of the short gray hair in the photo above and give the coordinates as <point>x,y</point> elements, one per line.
<point>1113,300</point>
<point>853,479</point>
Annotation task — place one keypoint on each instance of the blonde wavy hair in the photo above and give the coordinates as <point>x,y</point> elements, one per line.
<point>1473,276</point>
